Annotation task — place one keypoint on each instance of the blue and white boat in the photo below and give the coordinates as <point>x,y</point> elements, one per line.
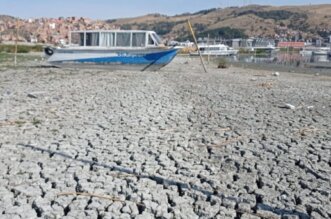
<point>112,49</point>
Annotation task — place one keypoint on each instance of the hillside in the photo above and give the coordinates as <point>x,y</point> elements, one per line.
<point>252,21</point>
<point>289,22</point>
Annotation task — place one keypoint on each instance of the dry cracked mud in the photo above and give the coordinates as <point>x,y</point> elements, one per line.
<point>177,143</point>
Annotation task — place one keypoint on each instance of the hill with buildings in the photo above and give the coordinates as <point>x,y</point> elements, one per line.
<point>285,22</point>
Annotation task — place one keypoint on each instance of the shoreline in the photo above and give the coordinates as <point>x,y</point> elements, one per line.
<point>271,67</point>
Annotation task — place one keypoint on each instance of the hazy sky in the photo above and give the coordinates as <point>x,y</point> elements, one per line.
<point>105,9</point>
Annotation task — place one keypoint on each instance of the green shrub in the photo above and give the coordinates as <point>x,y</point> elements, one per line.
<point>222,63</point>
<point>20,48</point>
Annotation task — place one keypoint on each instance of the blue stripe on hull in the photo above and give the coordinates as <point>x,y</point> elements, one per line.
<point>157,58</point>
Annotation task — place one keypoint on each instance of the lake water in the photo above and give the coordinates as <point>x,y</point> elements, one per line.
<point>283,61</point>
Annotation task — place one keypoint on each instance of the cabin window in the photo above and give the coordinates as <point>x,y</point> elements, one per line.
<point>138,39</point>
<point>123,39</point>
<point>77,39</point>
<point>150,40</point>
<point>107,39</point>
<point>157,38</point>
<point>92,39</point>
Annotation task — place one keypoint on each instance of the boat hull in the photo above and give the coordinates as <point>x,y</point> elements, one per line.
<point>218,53</point>
<point>141,60</point>
<point>320,53</point>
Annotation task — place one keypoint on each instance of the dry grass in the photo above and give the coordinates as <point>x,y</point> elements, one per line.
<point>228,141</point>
<point>15,122</point>
<point>224,129</point>
<point>307,131</point>
<point>107,197</point>
<point>260,75</point>
<point>267,85</point>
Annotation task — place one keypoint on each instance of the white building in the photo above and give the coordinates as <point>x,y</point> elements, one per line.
<point>33,39</point>
<point>52,25</point>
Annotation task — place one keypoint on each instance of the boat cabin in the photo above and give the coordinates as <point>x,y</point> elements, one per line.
<point>220,47</point>
<point>114,38</point>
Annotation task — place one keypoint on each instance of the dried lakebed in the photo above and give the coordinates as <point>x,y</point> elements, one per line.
<point>177,143</point>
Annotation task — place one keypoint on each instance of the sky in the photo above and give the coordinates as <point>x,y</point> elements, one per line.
<point>110,9</point>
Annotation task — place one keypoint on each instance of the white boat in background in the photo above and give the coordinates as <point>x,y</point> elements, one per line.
<point>215,50</point>
<point>306,52</point>
<point>321,51</point>
<point>112,49</point>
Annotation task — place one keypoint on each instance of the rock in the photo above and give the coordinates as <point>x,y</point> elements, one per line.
<point>125,216</point>
<point>10,216</point>
<point>32,96</point>
<point>115,207</point>
<point>229,203</point>
<point>130,208</point>
<point>145,215</point>
<point>35,94</point>
<point>276,74</point>
<point>91,213</point>
<point>267,214</point>
<point>290,216</point>
<point>227,213</point>
<point>150,206</point>
<point>315,215</point>
<point>244,207</point>
<point>249,216</point>
<point>205,210</point>
<point>289,106</point>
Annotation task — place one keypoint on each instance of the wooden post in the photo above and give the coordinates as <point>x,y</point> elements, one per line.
<point>16,39</point>
<point>208,49</point>
<point>196,44</point>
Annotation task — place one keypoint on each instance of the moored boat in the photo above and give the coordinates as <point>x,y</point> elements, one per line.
<point>321,51</point>
<point>306,52</point>
<point>112,49</point>
<point>215,50</point>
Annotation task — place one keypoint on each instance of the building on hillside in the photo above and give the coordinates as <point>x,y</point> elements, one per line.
<point>236,43</point>
<point>33,39</point>
<point>318,42</point>
<point>52,25</point>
